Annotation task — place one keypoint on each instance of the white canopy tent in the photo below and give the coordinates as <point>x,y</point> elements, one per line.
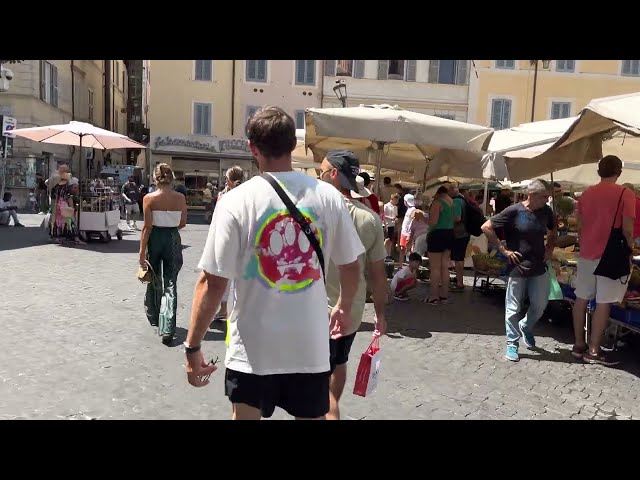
<point>390,137</point>
<point>537,149</point>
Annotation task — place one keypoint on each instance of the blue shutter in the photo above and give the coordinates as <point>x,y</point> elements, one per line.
<point>207,67</point>
<point>358,69</point>
<point>251,70</point>
<point>434,71</point>
<point>299,119</point>
<point>410,73</point>
<point>300,64</point>
<point>262,70</point>
<point>310,72</point>
<point>54,85</point>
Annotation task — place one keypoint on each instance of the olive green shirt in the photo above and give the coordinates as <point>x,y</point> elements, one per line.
<point>369,227</point>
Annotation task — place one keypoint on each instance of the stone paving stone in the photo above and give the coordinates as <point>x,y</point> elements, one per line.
<point>82,311</point>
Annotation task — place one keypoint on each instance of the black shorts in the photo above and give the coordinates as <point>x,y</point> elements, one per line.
<point>390,233</point>
<point>339,350</point>
<point>459,249</point>
<point>439,241</point>
<point>302,395</point>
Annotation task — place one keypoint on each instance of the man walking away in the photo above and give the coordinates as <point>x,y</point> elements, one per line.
<point>525,225</point>
<point>278,351</point>
<point>130,195</point>
<point>340,169</point>
<point>599,207</point>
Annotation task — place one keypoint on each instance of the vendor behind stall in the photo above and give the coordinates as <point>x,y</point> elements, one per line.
<point>636,224</point>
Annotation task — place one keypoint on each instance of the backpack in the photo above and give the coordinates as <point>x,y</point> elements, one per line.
<point>473,218</point>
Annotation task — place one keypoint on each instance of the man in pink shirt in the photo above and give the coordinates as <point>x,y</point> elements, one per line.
<point>597,207</point>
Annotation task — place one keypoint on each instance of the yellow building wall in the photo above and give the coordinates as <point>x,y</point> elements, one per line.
<point>174,91</point>
<point>591,79</point>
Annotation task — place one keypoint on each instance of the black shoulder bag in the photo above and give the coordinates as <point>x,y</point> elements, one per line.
<point>614,263</point>
<point>298,217</point>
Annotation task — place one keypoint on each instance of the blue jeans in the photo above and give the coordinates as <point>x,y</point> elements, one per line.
<point>518,289</point>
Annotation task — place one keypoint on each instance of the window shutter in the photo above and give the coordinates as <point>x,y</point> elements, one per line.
<point>43,85</point>
<point>310,72</point>
<point>207,119</point>
<point>358,69</point>
<point>54,85</point>
<point>196,119</point>
<point>410,73</point>
<point>207,73</point>
<point>434,70</point>
<point>496,107</point>
<point>555,111</point>
<point>506,114</point>
<point>197,74</point>
<point>300,119</point>
<point>330,68</point>
<point>300,64</point>
<point>462,72</point>
<point>383,69</point>
<point>262,70</point>
<point>251,70</point>
<point>566,113</point>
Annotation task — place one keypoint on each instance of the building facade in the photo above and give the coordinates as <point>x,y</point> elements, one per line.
<point>434,87</point>
<point>191,109</point>
<point>502,94</point>
<point>49,92</point>
<point>293,85</point>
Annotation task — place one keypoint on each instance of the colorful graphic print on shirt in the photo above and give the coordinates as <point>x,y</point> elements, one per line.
<point>284,259</point>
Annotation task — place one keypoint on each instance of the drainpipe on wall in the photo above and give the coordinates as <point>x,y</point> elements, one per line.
<point>107,94</point>
<point>321,83</point>
<point>73,92</point>
<point>233,95</point>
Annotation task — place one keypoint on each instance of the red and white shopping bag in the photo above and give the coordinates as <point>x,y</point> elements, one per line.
<point>368,370</point>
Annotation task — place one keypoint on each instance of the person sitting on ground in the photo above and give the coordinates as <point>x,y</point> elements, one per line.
<point>405,278</point>
<point>8,211</point>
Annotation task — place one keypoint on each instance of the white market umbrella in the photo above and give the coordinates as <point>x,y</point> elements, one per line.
<point>390,137</point>
<point>77,134</point>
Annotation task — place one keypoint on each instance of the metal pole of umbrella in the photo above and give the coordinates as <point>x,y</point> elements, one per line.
<point>485,198</point>
<point>79,182</point>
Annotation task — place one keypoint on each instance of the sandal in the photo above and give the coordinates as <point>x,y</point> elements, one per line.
<point>598,358</point>
<point>432,301</point>
<point>578,352</point>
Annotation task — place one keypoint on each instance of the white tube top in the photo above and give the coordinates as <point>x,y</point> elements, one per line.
<point>163,218</point>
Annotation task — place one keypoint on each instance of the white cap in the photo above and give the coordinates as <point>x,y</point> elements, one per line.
<point>410,200</point>
<point>362,192</point>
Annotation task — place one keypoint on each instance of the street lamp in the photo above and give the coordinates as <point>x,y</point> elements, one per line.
<point>341,92</point>
<point>545,65</point>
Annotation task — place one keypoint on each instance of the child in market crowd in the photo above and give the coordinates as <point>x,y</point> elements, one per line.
<point>33,202</point>
<point>405,279</point>
<point>418,230</point>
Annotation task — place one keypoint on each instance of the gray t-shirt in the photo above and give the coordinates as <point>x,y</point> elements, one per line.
<point>525,231</point>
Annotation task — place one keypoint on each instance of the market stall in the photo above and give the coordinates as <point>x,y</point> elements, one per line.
<point>100,208</point>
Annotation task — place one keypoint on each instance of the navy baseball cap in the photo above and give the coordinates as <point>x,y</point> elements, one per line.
<point>348,167</point>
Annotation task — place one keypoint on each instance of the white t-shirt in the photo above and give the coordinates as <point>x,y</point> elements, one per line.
<point>406,223</point>
<point>401,274</point>
<point>390,214</point>
<point>279,322</point>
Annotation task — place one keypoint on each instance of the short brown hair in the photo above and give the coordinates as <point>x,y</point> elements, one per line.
<point>163,174</point>
<point>272,131</point>
<point>395,195</point>
<point>610,166</point>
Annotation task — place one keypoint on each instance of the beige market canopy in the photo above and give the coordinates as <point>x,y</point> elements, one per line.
<point>621,145</point>
<point>582,142</point>
<point>527,139</point>
<point>390,137</point>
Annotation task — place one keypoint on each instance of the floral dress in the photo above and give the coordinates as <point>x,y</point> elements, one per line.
<point>59,226</point>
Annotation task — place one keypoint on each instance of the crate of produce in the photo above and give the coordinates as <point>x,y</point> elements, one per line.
<point>488,264</point>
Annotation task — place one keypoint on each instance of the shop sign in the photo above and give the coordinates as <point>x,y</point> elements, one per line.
<point>218,145</point>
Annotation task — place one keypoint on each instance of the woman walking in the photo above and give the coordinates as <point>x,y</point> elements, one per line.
<point>165,212</point>
<point>234,177</point>
<point>62,223</point>
<point>439,243</point>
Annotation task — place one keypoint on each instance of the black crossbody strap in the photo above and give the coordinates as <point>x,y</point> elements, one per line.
<point>615,216</point>
<point>298,217</point>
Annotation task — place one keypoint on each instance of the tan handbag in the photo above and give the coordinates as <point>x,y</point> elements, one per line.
<point>146,275</point>
<point>67,212</point>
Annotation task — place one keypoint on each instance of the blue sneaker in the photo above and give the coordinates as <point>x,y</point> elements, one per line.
<point>527,337</point>
<point>512,353</point>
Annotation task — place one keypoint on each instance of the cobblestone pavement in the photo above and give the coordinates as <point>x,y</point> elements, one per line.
<point>79,347</point>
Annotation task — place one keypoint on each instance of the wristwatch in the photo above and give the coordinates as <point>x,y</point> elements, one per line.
<point>188,349</point>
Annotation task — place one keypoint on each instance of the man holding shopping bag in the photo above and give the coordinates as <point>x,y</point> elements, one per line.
<point>340,169</point>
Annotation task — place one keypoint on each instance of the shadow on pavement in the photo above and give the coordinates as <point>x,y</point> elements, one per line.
<point>217,335</point>
<point>13,238</point>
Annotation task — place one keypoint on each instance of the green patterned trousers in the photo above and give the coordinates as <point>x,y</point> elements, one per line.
<point>161,301</point>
